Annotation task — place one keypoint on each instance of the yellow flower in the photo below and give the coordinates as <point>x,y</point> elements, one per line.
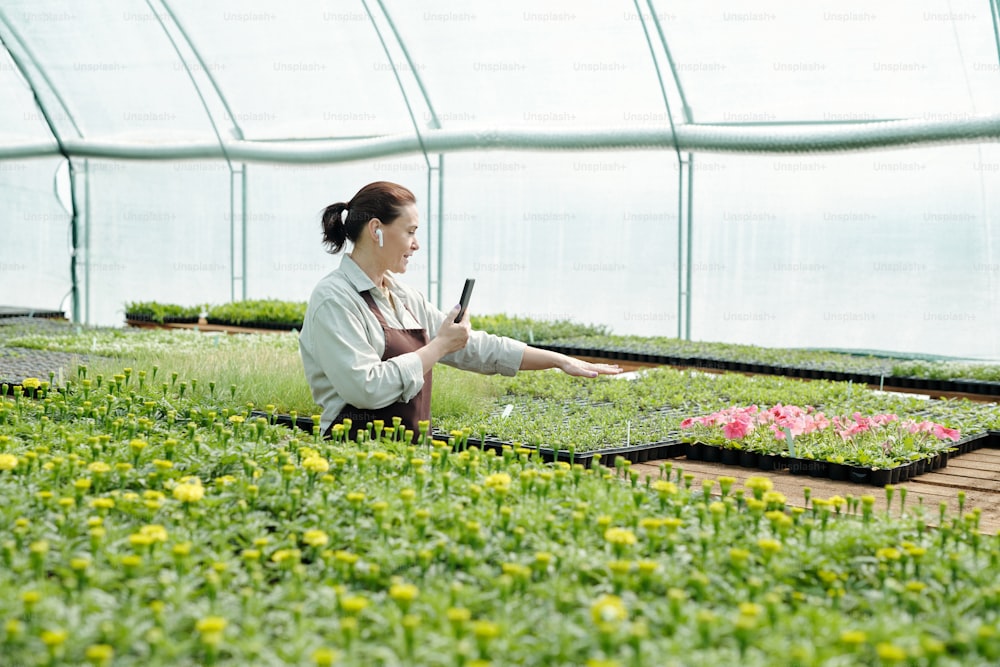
<point>324,657</point>
<point>769,546</point>
<point>8,461</point>
<point>403,592</point>
<point>620,536</point>
<point>888,553</point>
<point>31,383</point>
<point>607,612</point>
<point>890,652</point>
<point>346,557</point>
<point>774,498</point>
<point>458,614</point>
<point>53,638</point>
<point>282,555</point>
<point>853,637</point>
<point>665,488</point>
<point>485,629</point>
<point>155,532</point>
<point>316,464</point>
<point>99,467</point>
<point>211,628</point>
<point>189,492</point>
<point>759,485</point>
<point>315,538</point>
<point>353,604</point>
<point>99,654</point>
<point>497,481</point>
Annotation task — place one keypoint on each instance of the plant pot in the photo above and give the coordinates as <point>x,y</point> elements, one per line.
<point>768,462</point>
<point>712,454</point>
<point>818,469</point>
<point>901,473</point>
<point>695,451</point>
<point>838,472</point>
<point>880,476</point>
<point>799,466</point>
<point>859,475</point>
<point>730,457</point>
<point>749,459</point>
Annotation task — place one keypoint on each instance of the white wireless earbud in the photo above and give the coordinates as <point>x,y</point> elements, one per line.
<point>381,239</point>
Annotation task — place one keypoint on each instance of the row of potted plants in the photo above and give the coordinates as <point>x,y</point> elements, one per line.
<point>879,448</point>
<point>596,340</point>
<point>639,417</point>
<point>931,375</point>
<point>650,416</point>
<point>153,520</point>
<point>161,313</point>
<point>256,313</point>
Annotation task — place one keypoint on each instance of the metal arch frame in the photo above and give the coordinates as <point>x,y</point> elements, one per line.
<point>738,138</point>
<point>685,232</point>
<point>432,276</point>
<point>684,167</point>
<point>60,149</point>
<point>775,138</point>
<point>235,175</point>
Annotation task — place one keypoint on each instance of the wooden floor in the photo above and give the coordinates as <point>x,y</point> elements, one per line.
<point>977,473</point>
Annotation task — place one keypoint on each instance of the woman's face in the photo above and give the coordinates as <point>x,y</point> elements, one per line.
<point>400,240</point>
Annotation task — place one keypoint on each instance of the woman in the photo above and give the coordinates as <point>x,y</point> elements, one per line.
<point>369,342</point>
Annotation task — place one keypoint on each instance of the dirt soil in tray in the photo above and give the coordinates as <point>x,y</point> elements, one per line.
<point>17,363</point>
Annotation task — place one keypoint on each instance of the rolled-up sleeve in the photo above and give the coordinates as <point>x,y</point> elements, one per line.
<point>485,353</point>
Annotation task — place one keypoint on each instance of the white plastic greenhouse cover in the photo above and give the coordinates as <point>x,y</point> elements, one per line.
<point>787,173</point>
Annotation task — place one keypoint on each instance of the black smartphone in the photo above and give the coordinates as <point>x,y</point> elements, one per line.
<point>466,295</point>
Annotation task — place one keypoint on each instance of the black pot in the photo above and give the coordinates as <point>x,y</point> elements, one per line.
<point>695,451</point>
<point>749,459</point>
<point>880,476</point>
<point>768,462</point>
<point>838,472</point>
<point>859,475</point>
<point>731,457</point>
<point>712,454</point>
<point>799,466</point>
<point>818,469</point>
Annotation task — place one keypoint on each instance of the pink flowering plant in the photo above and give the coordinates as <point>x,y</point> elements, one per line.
<point>879,440</point>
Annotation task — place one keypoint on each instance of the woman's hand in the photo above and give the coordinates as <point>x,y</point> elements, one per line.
<point>454,336</point>
<point>536,359</point>
<point>581,368</point>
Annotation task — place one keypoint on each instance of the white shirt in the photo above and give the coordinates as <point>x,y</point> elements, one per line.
<point>342,344</point>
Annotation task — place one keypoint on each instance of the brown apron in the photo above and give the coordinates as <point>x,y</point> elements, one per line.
<point>418,408</point>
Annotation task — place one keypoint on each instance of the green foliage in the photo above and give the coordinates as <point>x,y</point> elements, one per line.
<point>154,311</point>
<point>534,331</point>
<point>821,360</point>
<point>148,520</point>
<point>261,311</point>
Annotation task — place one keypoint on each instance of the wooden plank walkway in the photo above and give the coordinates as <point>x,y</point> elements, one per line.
<point>976,473</point>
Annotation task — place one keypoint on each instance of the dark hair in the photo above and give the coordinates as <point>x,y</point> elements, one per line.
<point>381,199</point>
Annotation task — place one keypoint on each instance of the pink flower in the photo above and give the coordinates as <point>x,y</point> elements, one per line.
<point>945,433</point>
<point>736,429</point>
<point>688,422</point>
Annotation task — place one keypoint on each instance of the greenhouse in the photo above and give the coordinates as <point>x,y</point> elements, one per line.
<point>771,232</point>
